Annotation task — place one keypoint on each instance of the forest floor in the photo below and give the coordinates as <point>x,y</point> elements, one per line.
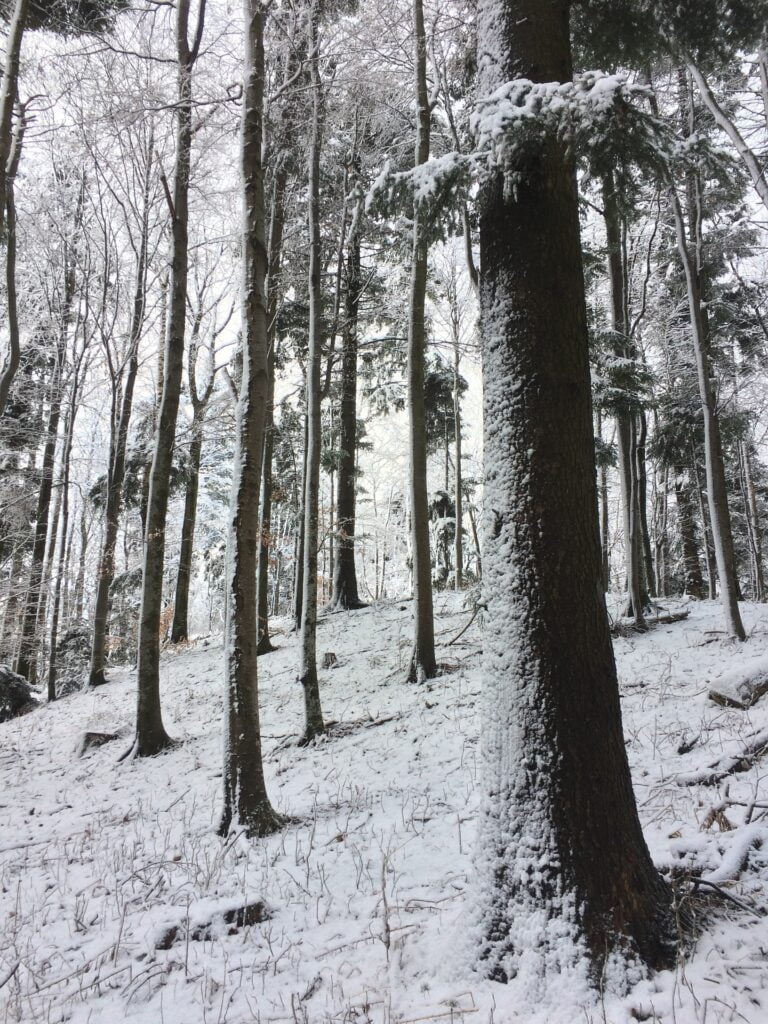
<point>114,886</point>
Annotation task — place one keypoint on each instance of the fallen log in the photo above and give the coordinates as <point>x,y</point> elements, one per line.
<point>627,629</point>
<point>742,687</point>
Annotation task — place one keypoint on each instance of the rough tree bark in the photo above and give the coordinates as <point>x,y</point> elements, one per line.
<point>686,528</point>
<point>564,875</point>
<point>313,715</point>
<point>246,804</point>
<point>151,736</point>
<point>422,664</point>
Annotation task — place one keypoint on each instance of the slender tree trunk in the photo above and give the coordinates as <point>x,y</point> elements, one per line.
<point>345,591</point>
<point>60,570</point>
<point>706,532</point>
<point>246,804</point>
<point>10,614</point>
<point>625,418</point>
<point>180,626</point>
<point>642,502</point>
<point>25,664</point>
<point>79,595</point>
<point>458,549</point>
<point>553,797</point>
<point>9,205</point>
<point>313,716</point>
<point>8,91</point>
<point>726,124</point>
<point>116,469</point>
<point>151,736</point>
<point>717,494</point>
<point>753,524</point>
<point>603,496</point>
<point>423,664</point>
<point>274,274</point>
<point>661,531</point>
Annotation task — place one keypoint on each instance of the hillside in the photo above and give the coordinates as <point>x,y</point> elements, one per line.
<point>114,889</point>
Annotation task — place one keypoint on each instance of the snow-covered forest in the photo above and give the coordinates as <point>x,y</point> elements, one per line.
<point>383,511</point>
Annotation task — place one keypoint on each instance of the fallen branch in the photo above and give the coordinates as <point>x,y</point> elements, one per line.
<point>725,766</point>
<point>624,629</point>
<point>743,842</point>
<point>9,974</point>
<point>698,882</point>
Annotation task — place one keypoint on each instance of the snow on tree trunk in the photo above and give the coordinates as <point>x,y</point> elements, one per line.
<point>422,664</point>
<point>564,878</point>
<point>246,804</point>
<point>313,715</point>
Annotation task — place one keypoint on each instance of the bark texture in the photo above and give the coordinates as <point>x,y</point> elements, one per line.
<point>246,804</point>
<point>313,715</point>
<point>564,874</point>
<point>422,665</point>
<point>151,736</point>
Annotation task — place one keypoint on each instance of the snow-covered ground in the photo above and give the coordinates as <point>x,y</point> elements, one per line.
<point>366,888</point>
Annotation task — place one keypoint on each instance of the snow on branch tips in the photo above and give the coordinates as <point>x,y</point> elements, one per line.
<point>432,187</point>
<point>604,120</point>
<point>594,114</point>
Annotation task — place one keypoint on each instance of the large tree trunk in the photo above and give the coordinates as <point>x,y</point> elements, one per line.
<point>345,591</point>
<point>313,716</point>
<point>565,880</point>
<point>246,804</point>
<point>422,664</point>
<point>116,468</point>
<point>151,736</point>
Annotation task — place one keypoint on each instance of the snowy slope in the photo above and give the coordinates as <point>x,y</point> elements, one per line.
<point>366,886</point>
